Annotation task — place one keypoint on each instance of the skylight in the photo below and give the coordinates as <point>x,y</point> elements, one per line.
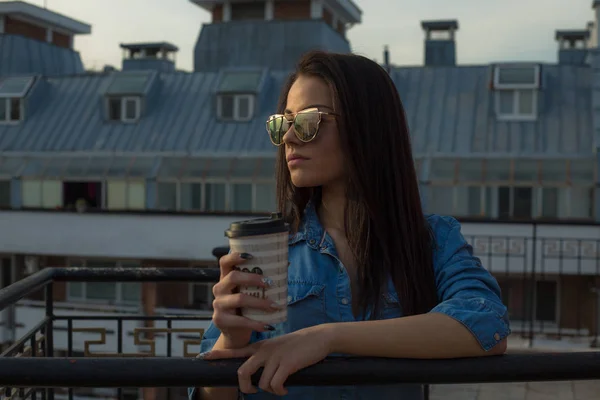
<point>15,87</point>
<point>129,83</point>
<point>240,81</point>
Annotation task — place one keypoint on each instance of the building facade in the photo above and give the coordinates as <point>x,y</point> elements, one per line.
<point>147,165</point>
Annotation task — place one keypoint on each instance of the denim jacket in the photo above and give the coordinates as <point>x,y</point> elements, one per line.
<point>319,292</point>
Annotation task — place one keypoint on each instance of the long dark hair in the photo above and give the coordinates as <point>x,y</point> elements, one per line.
<point>384,222</point>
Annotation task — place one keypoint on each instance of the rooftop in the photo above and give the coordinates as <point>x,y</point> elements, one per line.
<point>43,15</point>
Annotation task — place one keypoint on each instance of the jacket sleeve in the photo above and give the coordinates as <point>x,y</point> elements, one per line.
<point>467,292</point>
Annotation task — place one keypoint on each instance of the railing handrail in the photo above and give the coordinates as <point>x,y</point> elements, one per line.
<point>185,372</point>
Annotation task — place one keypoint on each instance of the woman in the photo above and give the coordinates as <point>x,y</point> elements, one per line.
<point>369,274</point>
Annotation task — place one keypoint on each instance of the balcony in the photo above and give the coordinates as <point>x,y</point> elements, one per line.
<point>121,351</point>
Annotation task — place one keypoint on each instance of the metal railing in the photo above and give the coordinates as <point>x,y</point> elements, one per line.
<point>30,368</point>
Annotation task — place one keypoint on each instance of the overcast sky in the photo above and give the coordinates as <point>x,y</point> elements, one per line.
<point>490,30</point>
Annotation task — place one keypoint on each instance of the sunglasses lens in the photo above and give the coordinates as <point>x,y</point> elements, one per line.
<point>277,128</point>
<point>306,125</point>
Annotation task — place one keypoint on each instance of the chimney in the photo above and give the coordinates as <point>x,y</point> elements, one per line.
<point>573,46</point>
<point>149,56</point>
<point>440,44</point>
<point>386,58</point>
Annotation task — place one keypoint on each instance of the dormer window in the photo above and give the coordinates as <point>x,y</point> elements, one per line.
<point>517,89</point>
<point>124,98</point>
<point>124,109</point>
<point>236,95</point>
<point>12,93</point>
<point>235,107</point>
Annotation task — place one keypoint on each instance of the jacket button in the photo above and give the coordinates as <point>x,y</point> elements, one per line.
<point>344,301</point>
<point>312,241</point>
<point>497,336</point>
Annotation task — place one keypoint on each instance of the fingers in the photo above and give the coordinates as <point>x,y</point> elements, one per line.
<point>245,373</point>
<point>278,380</point>
<point>241,300</point>
<point>228,262</point>
<point>237,279</point>
<point>244,352</point>
<point>265,378</point>
<point>232,321</point>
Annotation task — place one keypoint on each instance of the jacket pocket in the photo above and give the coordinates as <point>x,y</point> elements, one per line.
<point>306,305</point>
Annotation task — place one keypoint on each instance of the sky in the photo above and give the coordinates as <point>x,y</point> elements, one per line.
<point>490,30</point>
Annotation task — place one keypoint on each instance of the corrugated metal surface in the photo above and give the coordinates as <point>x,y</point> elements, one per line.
<point>182,119</point>
<point>20,55</point>
<point>451,111</point>
<point>272,44</point>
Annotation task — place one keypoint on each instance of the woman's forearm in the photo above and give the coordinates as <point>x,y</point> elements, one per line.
<point>425,336</point>
<point>221,392</point>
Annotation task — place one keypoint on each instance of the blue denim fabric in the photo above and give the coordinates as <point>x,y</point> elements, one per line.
<point>319,292</point>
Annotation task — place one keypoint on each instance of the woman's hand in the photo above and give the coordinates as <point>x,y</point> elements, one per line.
<point>235,328</point>
<point>280,357</point>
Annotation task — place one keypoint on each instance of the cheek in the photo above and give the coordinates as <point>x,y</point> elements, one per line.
<point>326,165</point>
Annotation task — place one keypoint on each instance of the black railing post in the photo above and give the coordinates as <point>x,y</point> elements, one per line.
<point>49,340</point>
<point>532,288</point>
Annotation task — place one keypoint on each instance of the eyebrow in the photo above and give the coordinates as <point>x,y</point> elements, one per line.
<point>288,111</point>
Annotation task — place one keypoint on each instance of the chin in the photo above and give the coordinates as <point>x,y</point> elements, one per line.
<point>303,180</point>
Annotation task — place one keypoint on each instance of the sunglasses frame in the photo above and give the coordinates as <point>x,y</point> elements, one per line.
<point>311,110</point>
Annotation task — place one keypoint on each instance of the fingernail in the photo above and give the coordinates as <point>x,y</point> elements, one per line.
<point>269,327</point>
<point>202,356</point>
<point>246,256</point>
<point>267,281</point>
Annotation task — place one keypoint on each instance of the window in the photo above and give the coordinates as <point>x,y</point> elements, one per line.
<point>4,194</point>
<point>265,198</point>
<point>10,110</point>
<point>235,107</point>
<point>12,91</point>
<point>515,202</point>
<point>42,194</point>
<point>123,195</point>
<point>105,292</point>
<point>191,196</point>
<point>82,195</point>
<point>241,197</point>
<point>167,196</point>
<point>124,109</point>
<point>517,91</point>
<point>215,197</point>
<point>245,11</point>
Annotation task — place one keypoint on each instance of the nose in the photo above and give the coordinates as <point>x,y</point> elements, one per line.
<point>290,137</point>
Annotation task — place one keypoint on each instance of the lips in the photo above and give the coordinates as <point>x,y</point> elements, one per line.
<point>293,157</point>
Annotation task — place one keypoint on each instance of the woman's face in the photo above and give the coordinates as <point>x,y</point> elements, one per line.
<point>320,162</point>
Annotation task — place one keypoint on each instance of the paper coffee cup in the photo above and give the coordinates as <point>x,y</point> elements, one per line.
<point>266,239</point>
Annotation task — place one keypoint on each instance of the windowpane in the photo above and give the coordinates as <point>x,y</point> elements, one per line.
<point>75,290</point>
<point>114,109</point>
<point>15,110</point>
<point>468,201</point>
<point>549,202</point>
<point>5,194</point>
<point>470,170</point>
<point>3,103</point>
<point>243,107</point>
<point>265,197</point>
<point>526,171</point>
<point>32,194</point>
<point>136,196</point>
<point>517,75</point>
<point>215,197</point>
<point>582,171</point>
<point>101,291</point>
<point>241,197</point>
<point>131,109</point>
<point>131,291</point>
<point>504,202</point>
<point>52,194</point>
<point>441,200</point>
<point>167,196</point>
<point>523,202</point>
<point>582,205</point>
<point>191,196</point>
<point>226,108</point>
<point>497,170</point>
<point>526,100</point>
<point>506,102</point>
<point>554,171</point>
<point>442,170</point>
<point>117,195</point>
